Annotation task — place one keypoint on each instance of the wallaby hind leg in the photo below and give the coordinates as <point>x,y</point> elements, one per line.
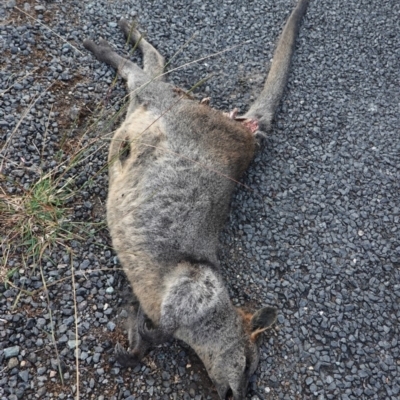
<point>128,70</point>
<point>153,61</point>
<point>264,108</point>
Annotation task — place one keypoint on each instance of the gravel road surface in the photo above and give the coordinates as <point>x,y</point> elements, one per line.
<point>314,230</point>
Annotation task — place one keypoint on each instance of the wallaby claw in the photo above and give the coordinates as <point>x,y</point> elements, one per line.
<point>233,113</point>
<point>124,357</point>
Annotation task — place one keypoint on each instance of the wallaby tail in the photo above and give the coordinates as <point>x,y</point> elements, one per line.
<point>264,108</point>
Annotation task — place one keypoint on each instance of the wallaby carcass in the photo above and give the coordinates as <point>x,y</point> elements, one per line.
<point>173,165</point>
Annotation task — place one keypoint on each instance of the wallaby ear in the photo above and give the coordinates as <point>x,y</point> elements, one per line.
<point>262,320</point>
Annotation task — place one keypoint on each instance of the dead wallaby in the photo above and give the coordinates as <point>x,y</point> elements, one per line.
<point>173,165</point>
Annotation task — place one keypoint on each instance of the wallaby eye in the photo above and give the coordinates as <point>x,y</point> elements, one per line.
<point>125,150</point>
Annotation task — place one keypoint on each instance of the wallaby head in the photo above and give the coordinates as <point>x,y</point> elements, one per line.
<point>232,355</point>
<point>173,165</point>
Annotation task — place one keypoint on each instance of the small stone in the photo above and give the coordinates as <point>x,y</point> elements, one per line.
<point>273,381</point>
<point>329,379</point>
<point>84,264</point>
<point>165,375</point>
<point>72,343</point>
<point>32,358</point>
<point>20,392</point>
<point>20,173</point>
<point>362,373</point>
<point>74,113</point>
<point>11,351</point>
<point>24,375</point>
<point>13,363</point>
<point>111,326</point>
<point>313,388</point>
<point>11,3</point>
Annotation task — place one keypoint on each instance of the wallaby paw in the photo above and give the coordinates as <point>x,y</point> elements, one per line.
<point>124,24</point>
<point>126,27</point>
<point>89,45</point>
<point>99,50</point>
<point>124,357</point>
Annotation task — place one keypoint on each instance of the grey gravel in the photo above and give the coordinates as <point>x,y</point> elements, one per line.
<point>11,351</point>
<point>73,343</point>
<point>314,230</point>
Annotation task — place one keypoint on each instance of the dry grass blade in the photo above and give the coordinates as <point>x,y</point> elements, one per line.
<point>206,57</point>
<point>76,326</point>
<point>53,336</point>
<point>180,50</point>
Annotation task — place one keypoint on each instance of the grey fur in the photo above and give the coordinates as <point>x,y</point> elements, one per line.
<point>173,165</point>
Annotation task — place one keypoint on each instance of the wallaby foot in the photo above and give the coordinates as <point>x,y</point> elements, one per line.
<point>148,331</point>
<point>153,61</point>
<point>129,358</point>
<point>142,336</point>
